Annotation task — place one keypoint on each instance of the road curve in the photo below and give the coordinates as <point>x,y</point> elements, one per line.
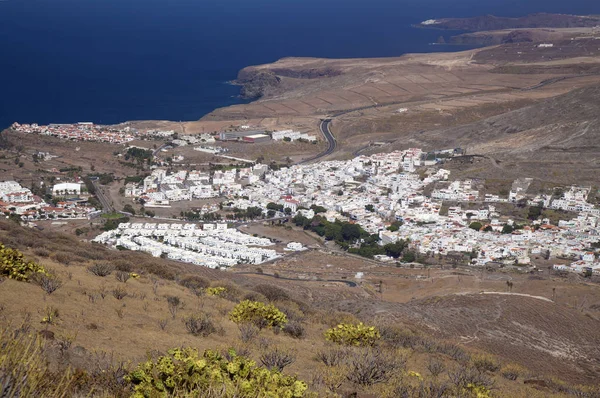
<point>324,126</point>
<point>325,123</point>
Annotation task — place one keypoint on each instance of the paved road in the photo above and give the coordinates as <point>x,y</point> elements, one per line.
<point>106,206</point>
<point>325,124</point>
<point>331,142</point>
<point>157,150</point>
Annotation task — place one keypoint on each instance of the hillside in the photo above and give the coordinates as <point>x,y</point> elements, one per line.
<point>554,139</point>
<point>101,326</point>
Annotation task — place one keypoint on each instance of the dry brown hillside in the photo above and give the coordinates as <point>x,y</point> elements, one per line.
<point>101,326</point>
<point>556,139</point>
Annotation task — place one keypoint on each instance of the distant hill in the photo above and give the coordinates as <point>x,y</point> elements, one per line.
<point>491,22</point>
<point>556,139</point>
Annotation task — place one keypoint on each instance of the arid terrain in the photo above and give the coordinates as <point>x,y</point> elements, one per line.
<point>547,324</point>
<point>484,100</point>
<point>526,106</point>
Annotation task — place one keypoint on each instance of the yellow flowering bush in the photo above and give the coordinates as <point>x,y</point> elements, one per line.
<point>215,291</point>
<point>258,313</point>
<point>183,372</point>
<point>354,335</point>
<point>14,266</point>
<point>479,391</point>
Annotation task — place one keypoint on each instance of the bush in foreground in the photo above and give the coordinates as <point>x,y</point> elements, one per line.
<point>372,366</point>
<point>184,372</point>
<point>24,371</point>
<point>14,266</point>
<point>258,313</point>
<point>278,358</point>
<point>353,335</point>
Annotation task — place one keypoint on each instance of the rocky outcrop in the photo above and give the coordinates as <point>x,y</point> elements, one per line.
<point>257,83</point>
<point>260,82</point>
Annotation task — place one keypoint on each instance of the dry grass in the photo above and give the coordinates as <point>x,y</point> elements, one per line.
<point>84,312</point>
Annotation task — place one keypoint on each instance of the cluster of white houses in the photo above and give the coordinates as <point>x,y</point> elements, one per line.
<point>87,131</point>
<point>375,190</point>
<point>160,188</point>
<point>15,199</point>
<point>213,245</point>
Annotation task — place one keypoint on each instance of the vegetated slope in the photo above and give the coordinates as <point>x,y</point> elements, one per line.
<point>96,324</point>
<point>557,139</point>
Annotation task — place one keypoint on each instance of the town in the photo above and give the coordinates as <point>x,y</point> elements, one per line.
<point>384,195</point>
<point>398,197</point>
<point>87,131</point>
<point>122,134</point>
<point>68,202</point>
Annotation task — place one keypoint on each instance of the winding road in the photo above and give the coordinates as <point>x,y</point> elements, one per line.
<point>324,126</point>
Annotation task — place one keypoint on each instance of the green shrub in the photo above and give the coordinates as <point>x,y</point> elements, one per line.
<point>216,291</point>
<point>354,335</point>
<point>476,225</point>
<point>14,266</point>
<point>184,372</point>
<point>257,312</point>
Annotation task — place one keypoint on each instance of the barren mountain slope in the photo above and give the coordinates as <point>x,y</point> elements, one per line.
<point>560,134</point>
<point>295,87</point>
<point>550,337</point>
<point>542,334</point>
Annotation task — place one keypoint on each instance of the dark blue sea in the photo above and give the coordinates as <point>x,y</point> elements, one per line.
<point>109,61</point>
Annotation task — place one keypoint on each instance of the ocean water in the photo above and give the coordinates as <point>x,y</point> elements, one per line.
<point>109,61</point>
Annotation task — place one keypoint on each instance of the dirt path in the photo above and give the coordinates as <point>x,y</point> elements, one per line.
<point>520,294</point>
